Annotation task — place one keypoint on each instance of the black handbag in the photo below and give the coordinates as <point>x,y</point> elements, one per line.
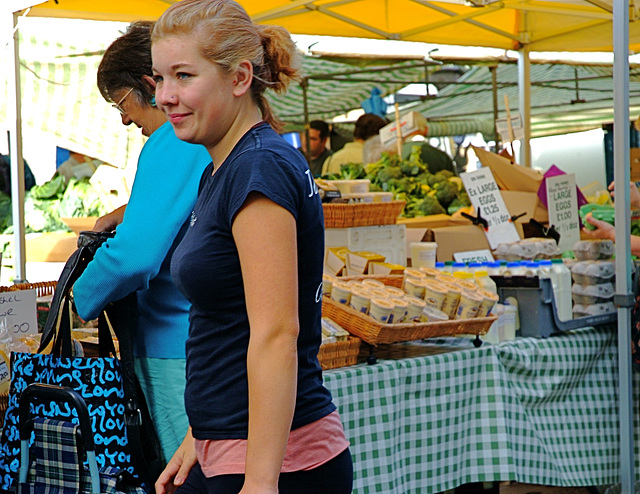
<point>124,433</point>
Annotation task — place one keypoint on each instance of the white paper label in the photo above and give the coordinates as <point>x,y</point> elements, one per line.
<point>502,125</point>
<point>18,313</point>
<point>484,194</point>
<point>562,203</point>
<point>482,255</point>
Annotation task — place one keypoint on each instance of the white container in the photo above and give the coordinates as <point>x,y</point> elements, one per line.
<point>483,280</point>
<point>386,240</point>
<point>562,289</point>
<point>423,254</point>
<point>514,268</point>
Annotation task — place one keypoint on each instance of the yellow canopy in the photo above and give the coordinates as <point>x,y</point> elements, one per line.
<point>542,25</point>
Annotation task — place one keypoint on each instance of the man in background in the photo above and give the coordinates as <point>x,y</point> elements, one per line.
<point>317,151</point>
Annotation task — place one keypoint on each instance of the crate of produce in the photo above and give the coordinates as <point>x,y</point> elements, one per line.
<point>375,333</point>
<point>340,353</point>
<point>340,215</point>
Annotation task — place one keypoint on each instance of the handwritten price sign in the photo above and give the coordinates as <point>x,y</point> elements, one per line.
<point>483,193</point>
<point>18,313</point>
<point>562,204</point>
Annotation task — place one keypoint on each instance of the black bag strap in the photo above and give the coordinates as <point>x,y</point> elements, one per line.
<point>58,325</point>
<point>121,316</point>
<point>146,455</point>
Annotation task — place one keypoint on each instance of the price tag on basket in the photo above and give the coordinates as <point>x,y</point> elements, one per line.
<point>562,203</point>
<point>18,313</point>
<point>484,194</point>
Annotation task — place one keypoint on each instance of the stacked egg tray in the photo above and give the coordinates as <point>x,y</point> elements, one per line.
<point>535,295</point>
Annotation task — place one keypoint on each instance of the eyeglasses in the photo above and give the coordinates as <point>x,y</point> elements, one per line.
<point>117,105</point>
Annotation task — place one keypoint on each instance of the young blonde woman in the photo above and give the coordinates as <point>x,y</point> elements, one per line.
<point>250,264</point>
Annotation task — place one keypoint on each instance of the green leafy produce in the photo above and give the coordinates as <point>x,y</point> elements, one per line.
<point>80,199</point>
<point>352,171</point>
<point>426,206</point>
<point>461,201</point>
<point>446,192</point>
<point>45,204</point>
<point>53,188</point>
<point>410,181</point>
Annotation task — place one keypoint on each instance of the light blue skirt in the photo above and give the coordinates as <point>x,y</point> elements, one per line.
<point>163,381</point>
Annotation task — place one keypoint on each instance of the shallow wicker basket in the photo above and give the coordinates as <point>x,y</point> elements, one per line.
<point>340,353</point>
<point>361,214</point>
<point>376,333</point>
<point>42,288</point>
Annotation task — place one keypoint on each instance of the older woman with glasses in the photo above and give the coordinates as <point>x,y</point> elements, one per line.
<point>138,257</point>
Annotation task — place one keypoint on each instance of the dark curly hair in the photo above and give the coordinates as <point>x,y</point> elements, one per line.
<point>124,63</point>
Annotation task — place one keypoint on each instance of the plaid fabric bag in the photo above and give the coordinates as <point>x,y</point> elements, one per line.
<point>125,436</point>
<point>57,464</point>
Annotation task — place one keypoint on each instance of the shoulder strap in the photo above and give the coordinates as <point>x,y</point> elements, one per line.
<point>59,305</point>
<point>143,441</point>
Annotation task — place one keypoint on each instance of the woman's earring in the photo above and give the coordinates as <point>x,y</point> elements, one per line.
<point>153,100</point>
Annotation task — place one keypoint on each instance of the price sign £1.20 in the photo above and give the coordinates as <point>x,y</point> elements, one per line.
<point>18,313</point>
<point>483,192</point>
<point>562,203</point>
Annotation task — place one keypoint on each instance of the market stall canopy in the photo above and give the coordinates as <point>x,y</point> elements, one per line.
<point>542,25</point>
<point>565,96</point>
<point>60,97</point>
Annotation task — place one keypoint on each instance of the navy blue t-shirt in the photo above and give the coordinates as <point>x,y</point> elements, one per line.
<point>206,269</point>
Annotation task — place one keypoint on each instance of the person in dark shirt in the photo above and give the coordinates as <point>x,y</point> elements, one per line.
<point>250,263</point>
<point>436,159</point>
<point>317,150</point>
<point>5,176</point>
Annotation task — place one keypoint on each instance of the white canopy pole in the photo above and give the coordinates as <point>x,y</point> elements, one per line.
<point>624,296</point>
<point>15,146</point>
<point>524,104</point>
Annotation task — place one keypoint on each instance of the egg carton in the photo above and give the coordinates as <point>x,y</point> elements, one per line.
<point>592,294</point>
<point>528,248</point>
<point>594,249</point>
<point>537,308</point>
<point>592,272</point>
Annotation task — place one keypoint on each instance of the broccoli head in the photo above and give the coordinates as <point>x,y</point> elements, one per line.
<point>428,206</point>
<point>389,173</point>
<point>446,192</point>
<point>461,201</point>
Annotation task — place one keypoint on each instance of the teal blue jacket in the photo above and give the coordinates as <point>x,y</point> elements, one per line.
<point>139,256</point>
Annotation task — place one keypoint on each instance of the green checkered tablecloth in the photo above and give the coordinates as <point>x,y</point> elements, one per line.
<point>540,411</point>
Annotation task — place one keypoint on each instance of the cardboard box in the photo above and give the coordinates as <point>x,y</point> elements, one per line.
<point>433,221</point>
<point>335,260</point>
<point>386,268</point>
<point>452,239</point>
<point>78,225</point>
<point>410,123</point>
<point>50,247</point>
<point>357,263</point>
<point>518,202</point>
<point>508,176</point>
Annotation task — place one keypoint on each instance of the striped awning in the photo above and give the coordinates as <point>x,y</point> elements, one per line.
<point>60,98</point>
<point>565,97</point>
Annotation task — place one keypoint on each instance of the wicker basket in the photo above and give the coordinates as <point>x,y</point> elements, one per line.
<point>376,333</point>
<point>340,353</point>
<point>42,288</point>
<point>362,214</point>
